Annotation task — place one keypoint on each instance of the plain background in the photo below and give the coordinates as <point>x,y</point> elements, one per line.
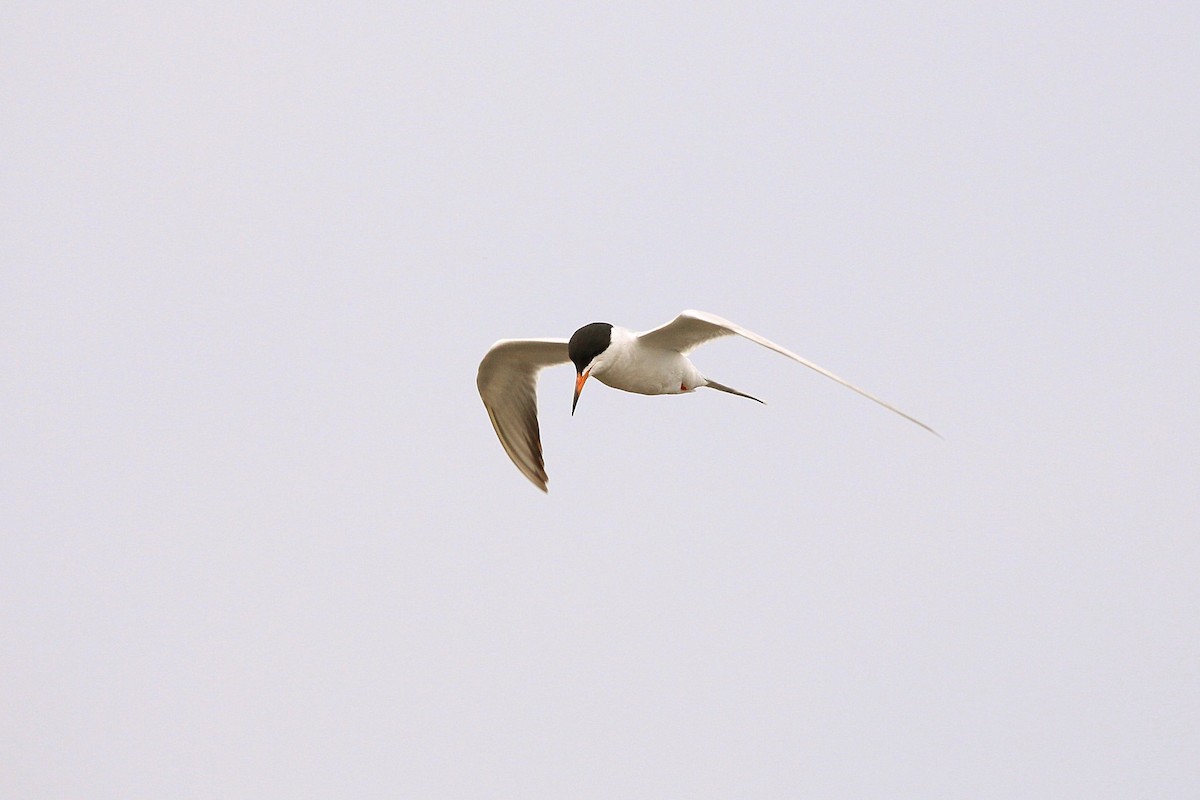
<point>259,539</point>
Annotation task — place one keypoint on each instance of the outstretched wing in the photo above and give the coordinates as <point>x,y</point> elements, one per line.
<point>690,330</point>
<point>693,328</point>
<point>507,383</point>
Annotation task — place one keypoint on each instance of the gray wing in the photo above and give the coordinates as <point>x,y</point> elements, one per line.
<point>693,328</point>
<point>690,330</point>
<point>507,383</point>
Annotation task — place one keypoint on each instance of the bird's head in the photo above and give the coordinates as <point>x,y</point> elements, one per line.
<point>586,345</point>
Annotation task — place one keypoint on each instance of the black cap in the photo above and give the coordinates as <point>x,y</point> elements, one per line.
<point>588,342</point>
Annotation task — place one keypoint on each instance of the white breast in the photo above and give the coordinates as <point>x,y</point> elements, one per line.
<point>629,365</point>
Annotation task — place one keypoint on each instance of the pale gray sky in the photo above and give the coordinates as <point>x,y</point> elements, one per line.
<point>259,539</point>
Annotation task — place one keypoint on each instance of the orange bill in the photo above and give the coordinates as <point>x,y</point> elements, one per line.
<point>579,380</point>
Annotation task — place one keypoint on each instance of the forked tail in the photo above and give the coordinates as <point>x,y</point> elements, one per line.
<point>714,385</point>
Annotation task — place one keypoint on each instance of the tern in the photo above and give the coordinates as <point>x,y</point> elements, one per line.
<point>652,362</point>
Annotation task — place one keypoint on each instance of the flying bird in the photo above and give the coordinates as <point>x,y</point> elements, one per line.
<point>652,362</point>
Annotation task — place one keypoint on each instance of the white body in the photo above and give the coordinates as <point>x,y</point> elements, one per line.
<point>651,362</point>
<point>629,364</point>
